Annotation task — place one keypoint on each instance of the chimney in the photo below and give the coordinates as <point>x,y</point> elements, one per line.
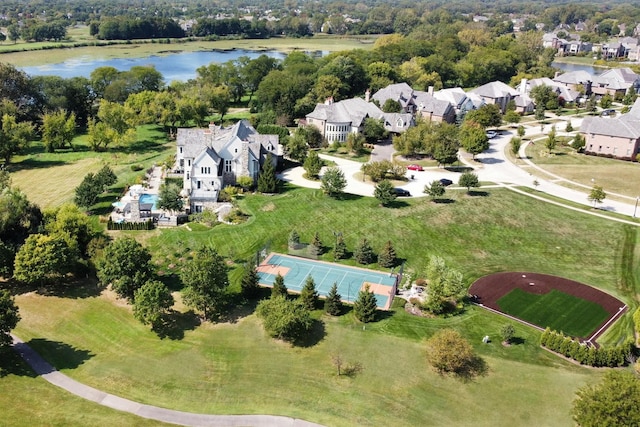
<point>556,74</point>
<point>367,95</point>
<point>523,85</point>
<point>329,101</point>
<point>430,90</point>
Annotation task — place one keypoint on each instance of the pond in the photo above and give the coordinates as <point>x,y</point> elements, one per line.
<point>176,66</point>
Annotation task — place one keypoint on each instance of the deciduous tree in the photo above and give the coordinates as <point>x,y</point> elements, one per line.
<point>284,319</point>
<point>333,182</point>
<point>449,352</point>
<point>596,195</point>
<point>44,258</point>
<point>9,317</point>
<point>473,138</point>
<point>469,180</point>
<point>126,265</point>
<point>169,197</point>
<point>434,190</point>
<point>151,301</point>
<point>58,130</point>
<point>14,137</point>
<point>206,281</point>
<point>312,164</point>
<point>615,401</point>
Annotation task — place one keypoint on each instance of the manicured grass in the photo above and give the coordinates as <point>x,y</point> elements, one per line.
<point>617,176</point>
<point>235,368</point>
<point>557,310</point>
<point>49,179</point>
<point>26,400</point>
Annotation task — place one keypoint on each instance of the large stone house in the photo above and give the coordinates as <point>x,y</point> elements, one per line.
<point>422,104</point>
<point>210,159</point>
<point>616,81</point>
<point>617,137</point>
<point>336,120</point>
<point>497,93</point>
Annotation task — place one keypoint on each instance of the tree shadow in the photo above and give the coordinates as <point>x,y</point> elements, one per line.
<point>59,354</point>
<point>397,204</point>
<point>446,201</point>
<point>174,324</point>
<point>478,193</point>
<point>75,289</point>
<point>489,160</point>
<point>316,334</point>
<point>459,169</point>
<point>348,197</point>
<point>31,163</point>
<point>477,367</point>
<point>517,341</point>
<point>12,364</point>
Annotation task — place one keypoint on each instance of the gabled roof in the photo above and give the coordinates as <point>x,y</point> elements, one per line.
<point>397,122</point>
<point>495,90</point>
<point>625,126</point>
<point>574,78</point>
<point>455,96</point>
<point>427,102</point>
<point>399,92</point>
<point>353,111</point>
<point>617,78</point>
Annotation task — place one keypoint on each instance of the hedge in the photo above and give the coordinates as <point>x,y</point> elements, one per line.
<point>146,225</point>
<point>593,356</point>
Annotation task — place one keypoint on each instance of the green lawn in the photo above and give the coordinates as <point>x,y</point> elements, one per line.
<point>559,311</point>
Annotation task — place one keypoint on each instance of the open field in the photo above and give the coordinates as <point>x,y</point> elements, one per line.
<point>49,179</point>
<point>556,310</point>
<point>235,368</point>
<point>140,49</point>
<point>617,176</point>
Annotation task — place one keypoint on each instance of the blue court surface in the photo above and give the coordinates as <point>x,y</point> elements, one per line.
<point>350,280</point>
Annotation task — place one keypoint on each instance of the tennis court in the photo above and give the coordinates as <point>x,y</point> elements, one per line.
<point>350,280</point>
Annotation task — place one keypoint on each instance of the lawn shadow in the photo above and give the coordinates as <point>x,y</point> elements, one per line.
<point>315,335</point>
<point>30,163</point>
<point>174,324</point>
<point>478,193</point>
<point>443,201</point>
<point>76,289</point>
<point>477,367</point>
<point>12,364</point>
<point>59,354</point>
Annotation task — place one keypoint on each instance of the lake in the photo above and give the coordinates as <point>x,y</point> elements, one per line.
<point>176,66</point>
<point>567,68</point>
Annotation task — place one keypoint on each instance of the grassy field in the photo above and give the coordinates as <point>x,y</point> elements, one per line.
<point>69,49</point>
<point>234,368</point>
<point>615,176</point>
<point>559,311</point>
<point>49,179</point>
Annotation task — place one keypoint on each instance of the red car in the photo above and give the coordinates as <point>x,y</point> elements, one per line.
<point>415,168</point>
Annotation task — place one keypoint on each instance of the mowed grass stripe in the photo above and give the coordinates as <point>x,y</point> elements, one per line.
<point>559,311</point>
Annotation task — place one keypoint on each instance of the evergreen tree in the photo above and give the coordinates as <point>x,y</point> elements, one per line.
<point>294,238</point>
<point>387,257</point>
<point>364,253</point>
<point>249,283</point>
<point>316,247</point>
<point>340,251</point>
<point>309,295</point>
<point>365,306</point>
<point>279,289</point>
<point>267,181</point>
<point>312,165</point>
<point>333,303</point>
<point>106,177</point>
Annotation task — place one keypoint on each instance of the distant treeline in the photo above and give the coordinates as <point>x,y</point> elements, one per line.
<point>124,28</point>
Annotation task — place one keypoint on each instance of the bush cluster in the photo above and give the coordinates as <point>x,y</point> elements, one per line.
<point>146,225</point>
<point>599,357</point>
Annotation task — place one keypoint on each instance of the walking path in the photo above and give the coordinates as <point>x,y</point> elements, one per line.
<point>50,374</point>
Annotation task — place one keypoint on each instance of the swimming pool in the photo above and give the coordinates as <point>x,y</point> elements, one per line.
<point>149,198</point>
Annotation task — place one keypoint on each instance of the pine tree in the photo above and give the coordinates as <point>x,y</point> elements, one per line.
<point>316,247</point>
<point>364,253</point>
<point>340,251</point>
<point>249,283</point>
<point>387,257</point>
<point>267,181</point>
<point>309,295</point>
<point>365,306</point>
<point>279,289</point>
<point>333,303</point>
<point>294,239</point>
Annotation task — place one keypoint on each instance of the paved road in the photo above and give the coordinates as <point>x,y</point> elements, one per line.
<point>50,374</point>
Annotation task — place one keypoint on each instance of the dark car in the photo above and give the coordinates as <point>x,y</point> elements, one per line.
<point>609,112</point>
<point>446,182</point>
<point>401,192</point>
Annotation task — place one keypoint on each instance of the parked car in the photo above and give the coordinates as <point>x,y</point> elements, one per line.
<point>415,168</point>
<point>401,192</point>
<point>608,112</point>
<point>445,181</point>
<point>491,134</point>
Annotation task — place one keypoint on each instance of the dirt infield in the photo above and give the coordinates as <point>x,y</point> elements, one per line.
<point>489,289</point>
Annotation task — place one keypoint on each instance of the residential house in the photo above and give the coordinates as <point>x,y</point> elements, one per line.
<point>617,137</point>
<point>567,94</point>
<point>615,81</point>
<point>432,108</point>
<point>210,159</point>
<point>575,80</point>
<point>402,93</point>
<point>459,99</point>
<point>497,93</point>
<point>336,120</point>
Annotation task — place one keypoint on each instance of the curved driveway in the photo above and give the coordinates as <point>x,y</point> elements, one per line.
<point>491,165</point>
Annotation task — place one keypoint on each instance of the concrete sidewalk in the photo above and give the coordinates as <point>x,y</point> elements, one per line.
<point>53,376</point>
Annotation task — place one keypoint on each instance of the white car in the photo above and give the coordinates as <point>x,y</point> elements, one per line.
<point>491,134</point>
